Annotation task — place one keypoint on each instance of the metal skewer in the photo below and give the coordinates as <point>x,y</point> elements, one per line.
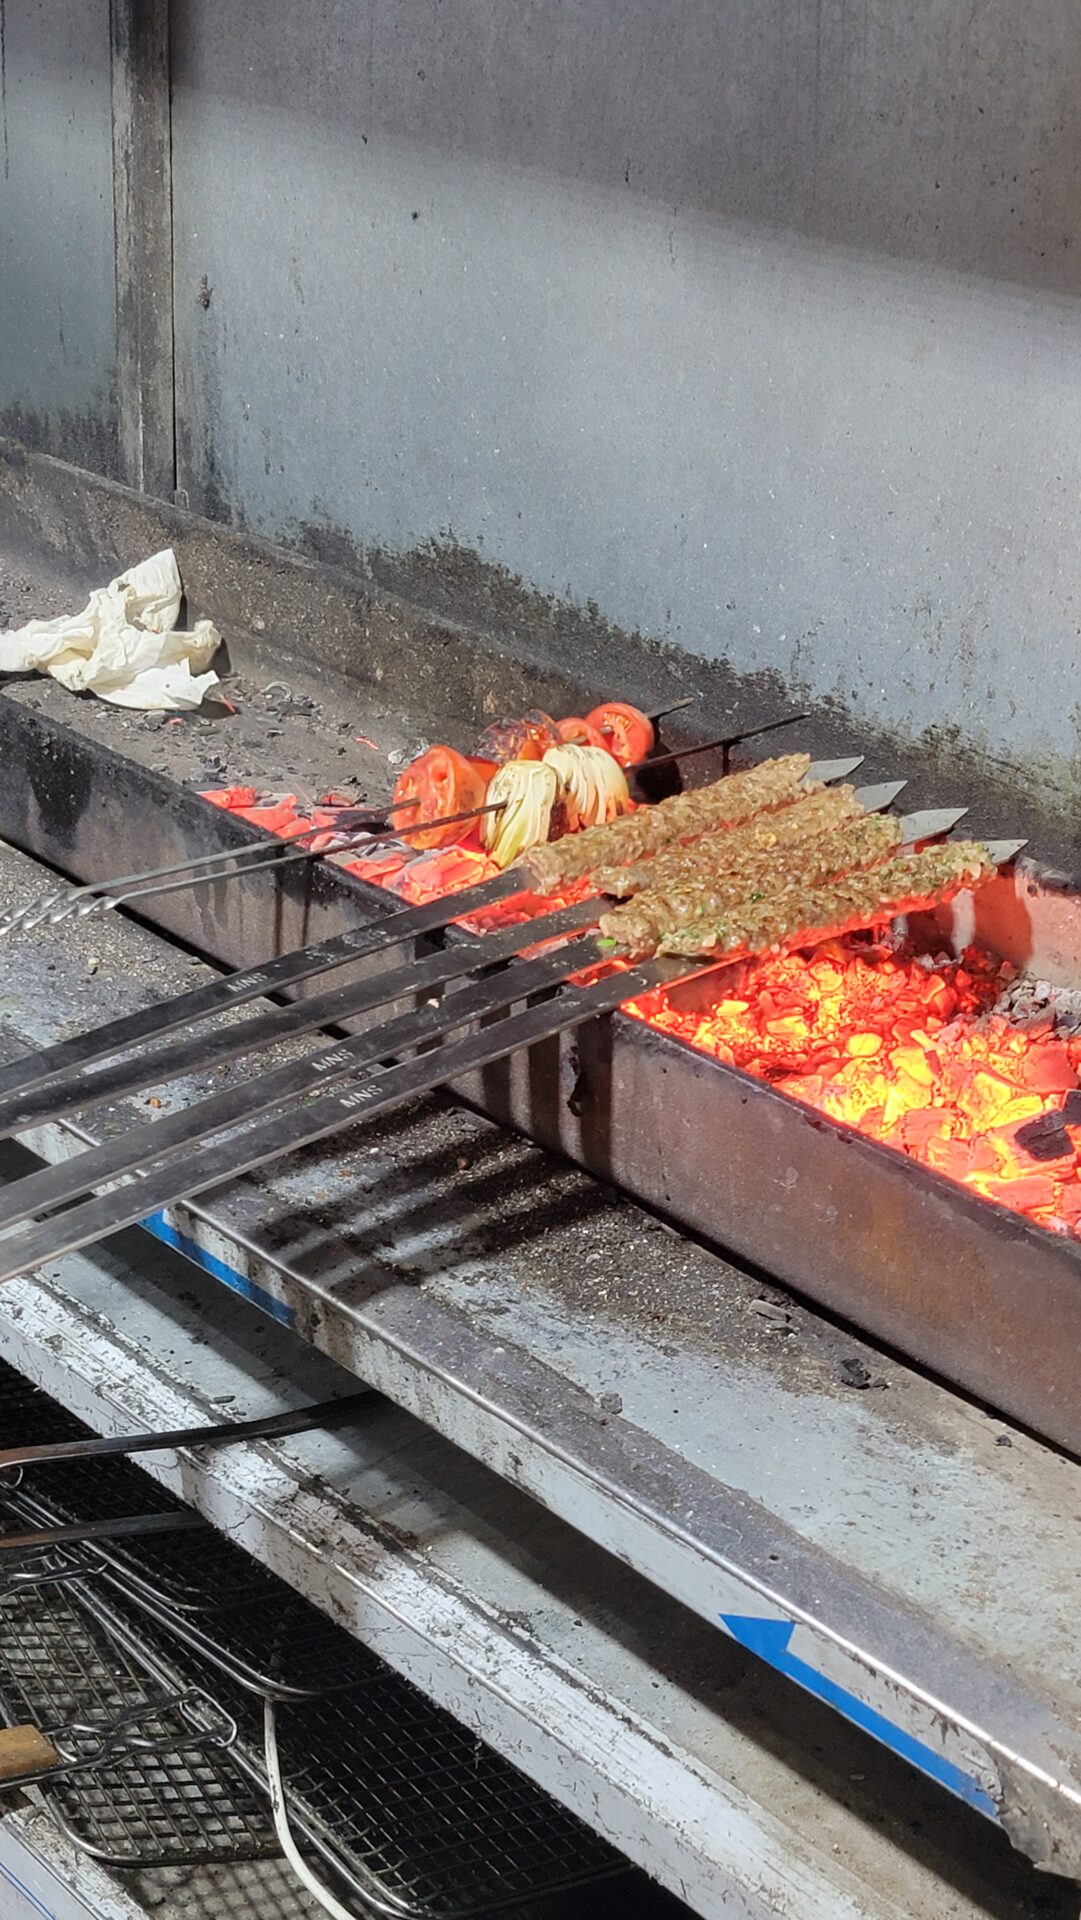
<point>57,1185</point>
<point>22,1078</point>
<point>250,983</point>
<point>104,896</point>
<point>322,1416</point>
<point>200,1164</point>
<point>723,745</point>
<point>109,1080</point>
<point>38,910</point>
<point>674,706</point>
<point>125,1528</point>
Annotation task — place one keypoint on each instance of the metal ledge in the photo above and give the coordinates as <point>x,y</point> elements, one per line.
<point>876,1547</point>
<point>619,1702</point>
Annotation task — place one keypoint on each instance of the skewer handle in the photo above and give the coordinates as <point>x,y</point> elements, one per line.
<point>24,1750</point>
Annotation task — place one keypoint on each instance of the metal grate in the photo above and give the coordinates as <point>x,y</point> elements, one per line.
<point>165,1570</point>
<point>417,1817</point>
<point>413,1809</point>
<point>278,1646</point>
<point>101,1489</point>
<point>58,1667</point>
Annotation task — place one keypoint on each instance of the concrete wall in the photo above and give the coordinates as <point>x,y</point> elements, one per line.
<point>57,282</point>
<point>753,322</point>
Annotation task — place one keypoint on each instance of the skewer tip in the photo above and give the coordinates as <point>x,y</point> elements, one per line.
<point>826,771</point>
<point>931,824</point>
<point>1003,851</point>
<point>877,799</point>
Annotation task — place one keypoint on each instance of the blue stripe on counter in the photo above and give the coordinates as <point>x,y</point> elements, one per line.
<point>769,1638</point>
<point>162,1230</point>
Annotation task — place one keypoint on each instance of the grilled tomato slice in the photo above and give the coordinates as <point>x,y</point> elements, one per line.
<point>437,786</point>
<point>627,733</point>
<point>526,739</point>
<point>576,732</point>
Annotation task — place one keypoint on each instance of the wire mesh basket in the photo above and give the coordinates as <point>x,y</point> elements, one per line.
<point>278,1647</point>
<point>71,1490</point>
<point>262,1635</point>
<point>418,1818</point>
<point>147,1777</point>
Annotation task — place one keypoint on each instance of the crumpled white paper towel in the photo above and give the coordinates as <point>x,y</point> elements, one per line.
<point>124,645</point>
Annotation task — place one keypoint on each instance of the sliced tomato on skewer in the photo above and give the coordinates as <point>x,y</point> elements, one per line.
<point>576,732</point>
<point>485,768</point>
<point>438,785</point>
<point>627,733</point>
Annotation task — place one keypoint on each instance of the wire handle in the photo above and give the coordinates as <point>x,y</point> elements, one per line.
<point>280,1814</point>
<point>84,1746</point>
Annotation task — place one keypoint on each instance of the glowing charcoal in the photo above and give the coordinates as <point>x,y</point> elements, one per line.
<point>907,1053</point>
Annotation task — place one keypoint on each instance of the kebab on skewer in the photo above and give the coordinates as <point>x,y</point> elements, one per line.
<point>728,802</point>
<point>798,914</point>
<point>715,883</point>
<point>786,826</point>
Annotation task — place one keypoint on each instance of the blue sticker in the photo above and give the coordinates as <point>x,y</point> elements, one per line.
<point>158,1225</point>
<point>769,1640</point>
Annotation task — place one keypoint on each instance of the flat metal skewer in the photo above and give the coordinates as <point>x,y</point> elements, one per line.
<point>102,897</point>
<point>56,1185</point>
<point>203,1163</point>
<point>22,1077</point>
<point>722,745</point>
<point>250,983</point>
<point>108,1080</point>
<point>321,1416</point>
<point>126,1527</point>
<point>186,1137</point>
<point>105,896</point>
<point>38,910</point>
<point>674,706</point>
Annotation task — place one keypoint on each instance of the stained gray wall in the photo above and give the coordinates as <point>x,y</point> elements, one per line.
<point>754,322</point>
<point>57,283</point>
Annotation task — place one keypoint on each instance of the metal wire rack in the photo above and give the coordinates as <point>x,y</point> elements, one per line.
<point>278,1646</point>
<point>416,1817</point>
<point>165,1571</point>
<point>148,1780</point>
<point>101,1489</point>
<point>265,1638</point>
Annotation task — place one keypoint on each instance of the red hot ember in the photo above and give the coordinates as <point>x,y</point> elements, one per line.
<point>911,1054</point>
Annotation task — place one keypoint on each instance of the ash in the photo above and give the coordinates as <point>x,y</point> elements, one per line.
<point>1039,1008</point>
